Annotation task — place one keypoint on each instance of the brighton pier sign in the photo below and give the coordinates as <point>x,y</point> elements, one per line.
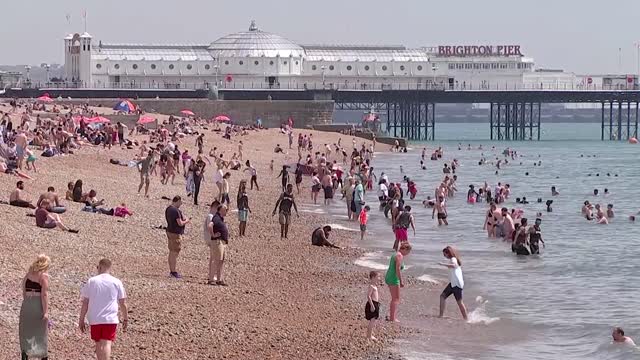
<point>480,50</point>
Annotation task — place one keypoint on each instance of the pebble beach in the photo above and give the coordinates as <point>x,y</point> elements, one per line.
<point>286,299</point>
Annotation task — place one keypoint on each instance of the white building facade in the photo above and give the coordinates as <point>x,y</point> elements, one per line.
<point>255,59</point>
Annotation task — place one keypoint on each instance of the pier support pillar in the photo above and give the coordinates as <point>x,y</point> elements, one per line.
<point>619,120</point>
<point>514,121</point>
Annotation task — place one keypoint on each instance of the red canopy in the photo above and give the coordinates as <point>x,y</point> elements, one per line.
<point>146,119</point>
<point>97,119</point>
<point>221,118</point>
<point>187,112</point>
<point>370,117</point>
<point>45,98</point>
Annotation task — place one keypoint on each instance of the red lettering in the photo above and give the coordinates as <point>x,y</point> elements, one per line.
<point>441,50</point>
<point>500,50</point>
<point>448,50</point>
<point>509,50</point>
<point>489,50</point>
<point>517,50</point>
<point>482,50</point>
<point>463,50</point>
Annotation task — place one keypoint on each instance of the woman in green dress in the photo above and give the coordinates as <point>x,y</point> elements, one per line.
<point>393,278</point>
<point>34,312</point>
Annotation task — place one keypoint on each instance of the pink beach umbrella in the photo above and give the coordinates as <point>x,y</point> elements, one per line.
<point>97,119</point>
<point>146,119</point>
<point>45,98</point>
<point>187,112</point>
<point>222,118</point>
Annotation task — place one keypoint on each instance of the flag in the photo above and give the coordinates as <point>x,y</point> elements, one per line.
<point>68,16</point>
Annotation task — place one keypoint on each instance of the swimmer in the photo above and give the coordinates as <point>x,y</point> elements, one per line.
<point>554,192</point>
<point>595,192</point>
<point>526,174</point>
<point>600,216</point>
<point>401,170</point>
<point>549,202</point>
<point>429,202</point>
<point>606,191</point>
<point>619,337</point>
<point>632,218</point>
<point>610,213</point>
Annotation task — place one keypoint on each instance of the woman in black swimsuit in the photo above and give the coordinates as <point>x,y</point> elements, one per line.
<point>491,221</point>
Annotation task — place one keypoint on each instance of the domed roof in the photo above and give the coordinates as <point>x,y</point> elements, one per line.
<point>254,43</point>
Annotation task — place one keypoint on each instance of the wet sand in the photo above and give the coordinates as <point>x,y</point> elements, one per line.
<point>286,299</point>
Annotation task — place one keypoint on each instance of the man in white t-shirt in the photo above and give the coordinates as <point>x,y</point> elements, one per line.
<point>102,295</point>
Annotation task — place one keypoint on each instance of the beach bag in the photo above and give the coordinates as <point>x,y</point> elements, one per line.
<point>352,206</point>
<point>207,239</point>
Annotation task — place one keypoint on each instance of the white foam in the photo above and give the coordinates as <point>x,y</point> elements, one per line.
<point>429,279</point>
<point>314,211</point>
<point>479,314</point>
<point>342,227</point>
<point>368,260</point>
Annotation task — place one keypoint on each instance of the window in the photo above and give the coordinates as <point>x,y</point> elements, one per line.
<point>296,62</point>
<point>135,66</point>
<point>189,67</point>
<point>207,67</point>
<point>241,62</point>
<point>116,66</point>
<point>171,67</point>
<point>366,68</point>
<point>349,68</point>
<point>256,63</point>
<point>271,63</point>
<point>384,67</point>
<point>89,47</point>
<point>331,67</point>
<point>485,66</point>
<point>494,66</point>
<point>451,66</point>
<point>419,67</point>
<point>285,62</point>
<point>313,67</point>
<point>98,66</point>
<point>153,66</point>
<point>402,67</point>
<point>226,62</point>
<point>477,66</point>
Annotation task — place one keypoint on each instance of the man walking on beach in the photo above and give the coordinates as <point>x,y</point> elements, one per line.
<point>102,295</point>
<point>283,205</point>
<point>144,166</point>
<point>175,228</point>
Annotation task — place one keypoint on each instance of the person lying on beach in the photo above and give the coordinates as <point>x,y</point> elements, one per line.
<point>47,220</point>
<point>320,237</point>
<point>54,201</point>
<point>4,168</point>
<point>17,198</point>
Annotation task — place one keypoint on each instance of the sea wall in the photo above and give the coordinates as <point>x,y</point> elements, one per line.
<point>272,113</point>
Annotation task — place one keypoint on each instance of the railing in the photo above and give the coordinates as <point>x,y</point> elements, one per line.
<point>257,85</point>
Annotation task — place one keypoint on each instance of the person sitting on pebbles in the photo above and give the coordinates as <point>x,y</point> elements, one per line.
<point>93,205</point>
<point>320,237</point>
<point>47,220</point>
<point>17,198</point>
<point>54,201</point>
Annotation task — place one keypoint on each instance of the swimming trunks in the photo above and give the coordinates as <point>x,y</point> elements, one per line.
<point>442,216</point>
<point>370,313</point>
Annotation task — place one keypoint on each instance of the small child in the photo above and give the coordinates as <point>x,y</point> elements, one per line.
<point>372,307</point>
<point>122,211</point>
<point>31,160</point>
<point>363,218</point>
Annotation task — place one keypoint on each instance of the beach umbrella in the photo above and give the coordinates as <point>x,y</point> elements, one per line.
<point>146,119</point>
<point>370,118</point>
<point>45,98</point>
<point>97,119</point>
<point>187,112</point>
<point>222,118</point>
<point>125,106</point>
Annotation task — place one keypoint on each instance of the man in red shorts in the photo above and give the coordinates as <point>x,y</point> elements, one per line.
<point>102,295</point>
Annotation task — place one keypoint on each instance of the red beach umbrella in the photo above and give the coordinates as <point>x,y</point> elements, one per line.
<point>187,112</point>
<point>146,119</point>
<point>97,119</point>
<point>45,98</point>
<point>222,118</point>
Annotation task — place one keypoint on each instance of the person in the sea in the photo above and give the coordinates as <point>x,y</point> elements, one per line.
<point>441,208</point>
<point>456,281</point>
<point>554,192</point>
<point>372,307</point>
<point>394,279</point>
<point>620,338</point>
<point>600,216</point>
<point>535,237</point>
<point>320,237</point>
<point>610,212</point>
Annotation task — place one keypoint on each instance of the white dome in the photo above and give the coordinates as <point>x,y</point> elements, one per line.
<point>254,43</point>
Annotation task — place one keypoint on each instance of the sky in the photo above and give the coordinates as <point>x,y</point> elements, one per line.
<point>581,36</point>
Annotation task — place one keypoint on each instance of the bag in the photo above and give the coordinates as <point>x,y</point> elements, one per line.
<point>207,239</point>
<point>352,206</point>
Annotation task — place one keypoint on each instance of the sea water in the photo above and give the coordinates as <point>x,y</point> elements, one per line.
<point>568,299</point>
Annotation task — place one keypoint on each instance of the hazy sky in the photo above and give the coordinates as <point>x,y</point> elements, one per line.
<point>576,35</point>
